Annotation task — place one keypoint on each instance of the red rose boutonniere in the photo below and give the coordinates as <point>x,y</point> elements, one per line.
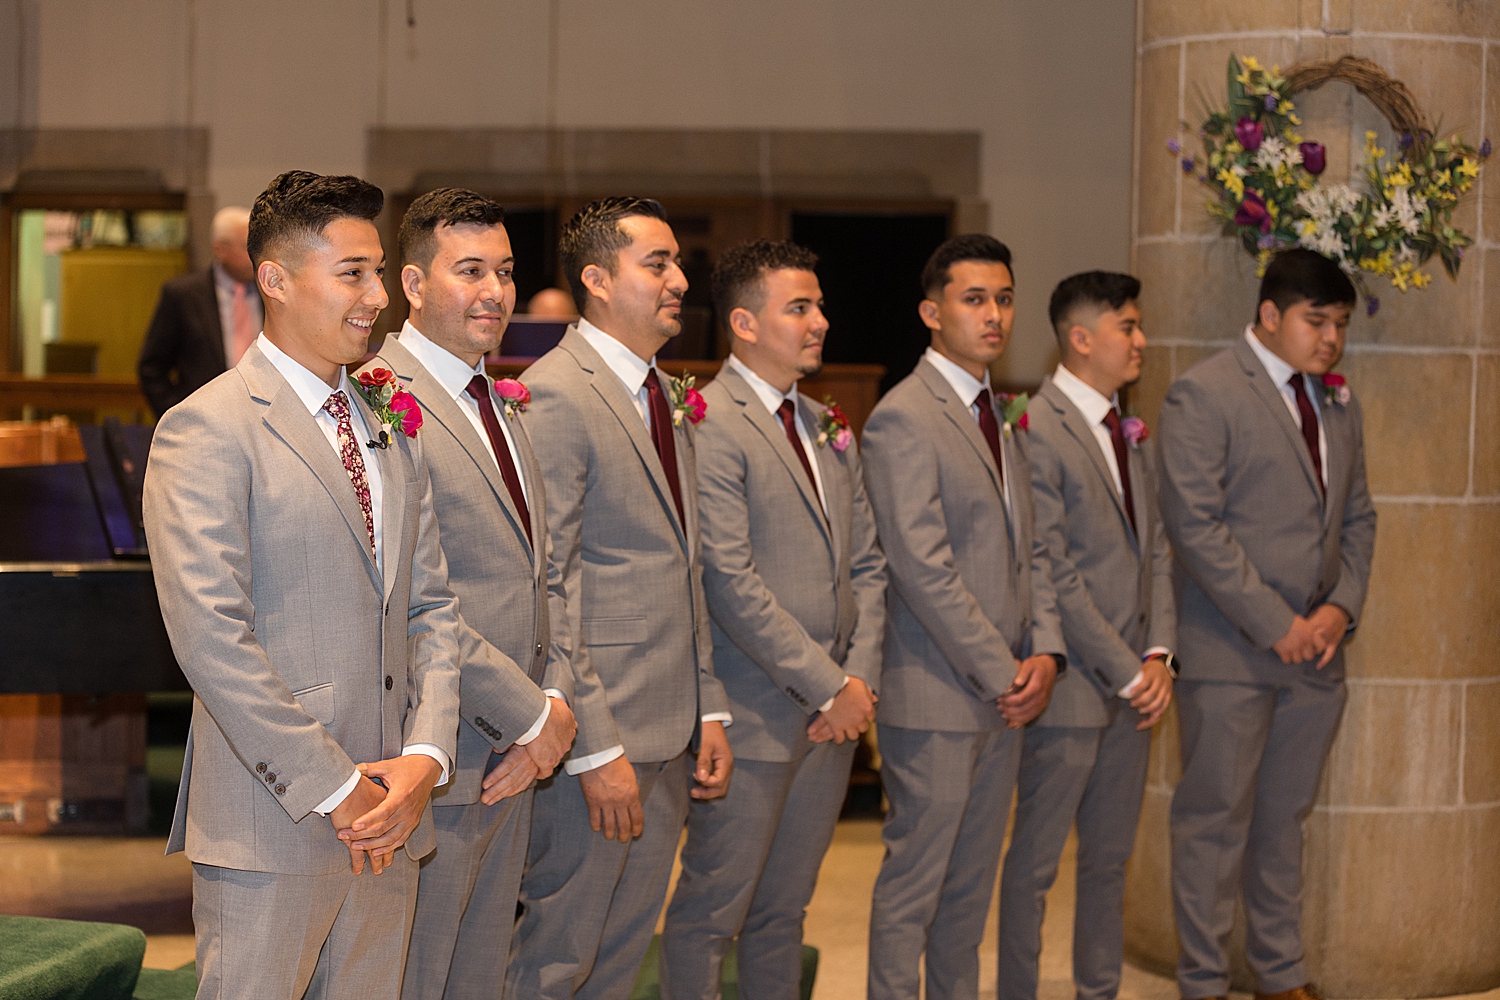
<point>686,401</point>
<point>1335,389</point>
<point>393,406</point>
<point>1014,410</point>
<point>513,395</point>
<point>833,426</point>
<point>1135,430</point>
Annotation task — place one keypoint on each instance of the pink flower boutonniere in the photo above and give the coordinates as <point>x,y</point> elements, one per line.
<point>1014,410</point>
<point>686,401</point>
<point>833,426</point>
<point>1335,389</point>
<point>393,406</point>
<point>513,394</point>
<point>1135,430</point>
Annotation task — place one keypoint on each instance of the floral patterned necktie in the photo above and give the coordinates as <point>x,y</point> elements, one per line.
<point>337,407</point>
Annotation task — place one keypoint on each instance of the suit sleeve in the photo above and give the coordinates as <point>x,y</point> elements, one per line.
<point>1194,452</point>
<point>197,514</point>
<point>494,688</point>
<point>868,576</point>
<point>1046,619</point>
<point>739,600</point>
<point>1357,535</point>
<point>712,698</point>
<point>1094,641</point>
<point>563,451</point>
<point>557,675</point>
<point>901,476</point>
<point>159,353</point>
<point>1162,629</point>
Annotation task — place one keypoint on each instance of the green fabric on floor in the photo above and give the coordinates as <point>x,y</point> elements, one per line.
<point>648,983</point>
<point>167,984</point>
<point>45,959</point>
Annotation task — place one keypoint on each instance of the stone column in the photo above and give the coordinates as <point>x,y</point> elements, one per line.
<point>1402,855</point>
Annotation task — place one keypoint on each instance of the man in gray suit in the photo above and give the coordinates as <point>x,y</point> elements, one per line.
<point>456,273</point>
<point>1264,498</point>
<point>306,596</point>
<point>796,590</point>
<point>1084,760</point>
<point>614,439</point>
<point>974,643</point>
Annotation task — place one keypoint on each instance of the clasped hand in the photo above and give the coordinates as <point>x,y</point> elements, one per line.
<point>377,821</point>
<point>1318,636</point>
<point>1029,694</point>
<point>851,713</point>
<point>536,760</point>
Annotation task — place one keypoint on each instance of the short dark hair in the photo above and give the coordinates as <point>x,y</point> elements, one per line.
<point>739,275</point>
<point>416,241</point>
<point>593,236</point>
<point>1101,289</point>
<point>970,246</point>
<point>1301,275</point>
<point>299,205</point>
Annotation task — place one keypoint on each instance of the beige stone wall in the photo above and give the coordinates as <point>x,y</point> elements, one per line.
<point>1403,850</point>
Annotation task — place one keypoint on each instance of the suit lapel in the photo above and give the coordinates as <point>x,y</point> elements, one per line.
<point>835,482</point>
<point>1076,424</point>
<point>535,500</point>
<point>1260,381</point>
<point>393,490</point>
<point>1339,454</point>
<point>963,418</point>
<point>289,420</point>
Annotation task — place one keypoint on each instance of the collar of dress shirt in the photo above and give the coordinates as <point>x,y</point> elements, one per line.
<point>966,385</point>
<point>313,391</point>
<point>624,362</point>
<point>1279,370</point>
<point>767,392</point>
<point>449,369</point>
<point>1089,401</point>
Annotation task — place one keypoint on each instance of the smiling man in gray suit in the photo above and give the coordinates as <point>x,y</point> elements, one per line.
<point>614,439</point>
<point>456,273</point>
<point>306,596</point>
<point>1084,760</point>
<point>1265,501</point>
<point>974,643</point>
<point>796,588</point>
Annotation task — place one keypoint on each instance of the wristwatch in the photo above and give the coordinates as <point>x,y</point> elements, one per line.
<point>1170,659</point>
<point>1062,663</point>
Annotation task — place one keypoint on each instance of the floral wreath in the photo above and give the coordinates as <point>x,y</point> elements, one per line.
<point>1263,178</point>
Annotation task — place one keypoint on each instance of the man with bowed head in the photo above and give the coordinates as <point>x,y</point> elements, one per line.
<point>974,643</point>
<point>615,441</point>
<point>457,275</point>
<point>306,597</point>
<point>1265,501</point>
<point>796,590</point>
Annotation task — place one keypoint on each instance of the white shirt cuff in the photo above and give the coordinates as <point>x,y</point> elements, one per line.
<point>829,703</point>
<point>555,693</point>
<point>437,754</point>
<point>536,727</point>
<point>1129,689</point>
<point>593,760</point>
<point>723,717</point>
<point>331,803</point>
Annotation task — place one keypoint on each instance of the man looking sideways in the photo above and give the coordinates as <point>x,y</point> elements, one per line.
<point>456,273</point>
<point>796,589</point>
<point>974,643</point>
<point>1084,760</point>
<point>615,442</point>
<point>307,600</point>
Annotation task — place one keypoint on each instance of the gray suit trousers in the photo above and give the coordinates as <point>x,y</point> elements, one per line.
<point>264,936</point>
<point>1252,756</point>
<point>466,901</point>
<point>949,795</point>
<point>591,904</point>
<point>1095,777</point>
<point>749,868</point>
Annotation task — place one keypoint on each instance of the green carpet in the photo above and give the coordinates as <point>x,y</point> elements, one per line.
<point>648,983</point>
<point>45,959</point>
<point>167,984</point>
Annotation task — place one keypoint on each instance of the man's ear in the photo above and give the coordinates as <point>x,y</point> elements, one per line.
<point>1081,340</point>
<point>596,280</point>
<point>1269,316</point>
<point>272,279</point>
<point>928,310</point>
<point>744,326</point>
<point>413,284</point>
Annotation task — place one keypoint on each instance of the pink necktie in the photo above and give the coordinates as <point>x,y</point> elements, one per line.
<point>338,408</point>
<point>243,329</point>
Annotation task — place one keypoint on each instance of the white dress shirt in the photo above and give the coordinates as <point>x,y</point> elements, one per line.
<point>224,293</point>
<point>1094,407</point>
<point>314,392</point>
<point>454,376</point>
<point>631,371</point>
<point>968,387</point>
<point>1281,375</point>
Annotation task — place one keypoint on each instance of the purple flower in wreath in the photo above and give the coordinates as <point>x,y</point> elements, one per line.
<point>1266,242</point>
<point>1405,141</point>
<point>1271,102</point>
<point>1253,212</point>
<point>1174,145</point>
<point>1314,157</point>
<point>1485,148</point>
<point>1372,305</point>
<point>1188,164</point>
<point>1249,133</point>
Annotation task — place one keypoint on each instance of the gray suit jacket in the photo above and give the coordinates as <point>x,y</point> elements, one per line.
<point>508,597</point>
<point>303,658</point>
<point>642,655</point>
<point>1254,539</point>
<point>971,584</point>
<point>797,599</point>
<point>1114,588</point>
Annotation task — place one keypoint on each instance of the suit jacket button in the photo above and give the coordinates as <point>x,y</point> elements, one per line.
<point>260,768</point>
<point>538,649</point>
<point>1143,617</point>
<point>388,682</point>
<point>271,777</point>
<point>280,789</point>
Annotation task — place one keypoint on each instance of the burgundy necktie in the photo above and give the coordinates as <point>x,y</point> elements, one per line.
<point>354,464</point>
<point>1122,459</point>
<point>479,388</point>
<point>1309,429</point>
<point>990,428</point>
<point>788,414</point>
<point>662,437</point>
